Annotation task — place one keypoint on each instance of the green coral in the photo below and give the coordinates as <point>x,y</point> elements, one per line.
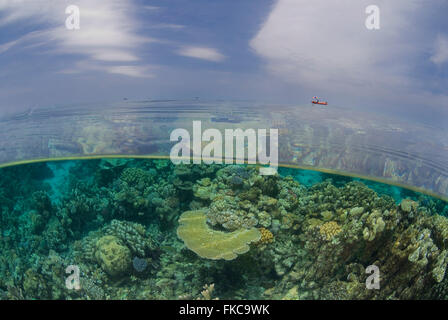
<point>212,244</point>
<point>133,235</point>
<point>112,255</point>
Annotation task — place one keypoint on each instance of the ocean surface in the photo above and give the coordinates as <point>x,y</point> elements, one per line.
<point>332,138</point>
<point>91,207</point>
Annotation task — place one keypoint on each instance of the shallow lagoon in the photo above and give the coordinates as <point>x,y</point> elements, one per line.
<point>130,226</point>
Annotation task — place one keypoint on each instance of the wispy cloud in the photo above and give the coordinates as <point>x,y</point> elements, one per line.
<point>440,55</point>
<point>168,26</point>
<point>137,71</point>
<point>131,71</point>
<point>151,8</point>
<point>203,53</point>
<point>29,40</point>
<point>22,10</point>
<point>8,45</point>
<point>108,31</point>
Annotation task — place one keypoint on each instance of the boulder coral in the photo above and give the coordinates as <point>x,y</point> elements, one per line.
<point>112,255</point>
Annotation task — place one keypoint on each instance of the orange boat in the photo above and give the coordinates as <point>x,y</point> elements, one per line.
<point>316,101</point>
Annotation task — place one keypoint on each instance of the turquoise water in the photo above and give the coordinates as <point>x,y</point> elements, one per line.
<point>135,229</point>
<point>308,178</point>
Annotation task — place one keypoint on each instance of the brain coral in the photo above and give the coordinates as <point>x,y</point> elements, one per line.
<point>212,244</point>
<point>112,255</point>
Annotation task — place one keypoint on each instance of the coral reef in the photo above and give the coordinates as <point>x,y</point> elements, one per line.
<point>212,244</point>
<point>146,229</point>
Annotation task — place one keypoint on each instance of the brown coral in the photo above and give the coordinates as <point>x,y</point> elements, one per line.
<point>266,236</point>
<point>329,230</point>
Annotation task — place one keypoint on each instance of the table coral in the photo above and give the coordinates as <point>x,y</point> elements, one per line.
<point>212,244</point>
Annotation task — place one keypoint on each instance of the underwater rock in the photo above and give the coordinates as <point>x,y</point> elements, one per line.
<point>212,244</point>
<point>112,255</point>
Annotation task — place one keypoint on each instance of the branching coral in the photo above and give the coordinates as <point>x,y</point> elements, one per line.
<point>266,236</point>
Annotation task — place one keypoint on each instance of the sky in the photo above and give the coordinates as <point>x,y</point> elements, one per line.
<point>273,51</point>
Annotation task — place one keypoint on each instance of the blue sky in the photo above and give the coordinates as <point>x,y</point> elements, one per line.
<point>282,51</point>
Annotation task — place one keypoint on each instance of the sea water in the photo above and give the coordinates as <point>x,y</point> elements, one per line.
<point>148,229</point>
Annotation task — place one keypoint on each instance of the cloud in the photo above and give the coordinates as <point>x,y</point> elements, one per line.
<point>136,71</point>
<point>151,8</point>
<point>29,40</point>
<point>171,26</point>
<point>8,45</point>
<point>324,47</point>
<point>108,31</point>
<point>131,71</point>
<point>22,10</point>
<point>440,55</point>
<point>114,56</point>
<point>204,53</point>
